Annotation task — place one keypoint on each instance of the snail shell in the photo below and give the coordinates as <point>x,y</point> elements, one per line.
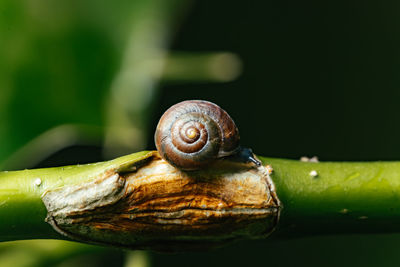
<point>193,133</point>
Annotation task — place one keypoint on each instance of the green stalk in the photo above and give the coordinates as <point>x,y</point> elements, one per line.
<point>343,197</point>
<point>22,212</point>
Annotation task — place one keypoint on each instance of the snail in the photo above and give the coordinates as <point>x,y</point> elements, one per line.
<point>192,134</point>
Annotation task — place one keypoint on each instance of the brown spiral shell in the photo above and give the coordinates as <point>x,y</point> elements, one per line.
<point>193,133</point>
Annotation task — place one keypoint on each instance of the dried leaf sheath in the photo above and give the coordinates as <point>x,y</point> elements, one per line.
<point>159,207</point>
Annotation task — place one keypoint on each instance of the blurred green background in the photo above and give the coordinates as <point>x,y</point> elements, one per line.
<point>83,81</point>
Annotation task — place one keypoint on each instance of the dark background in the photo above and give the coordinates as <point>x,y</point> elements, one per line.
<point>319,78</point>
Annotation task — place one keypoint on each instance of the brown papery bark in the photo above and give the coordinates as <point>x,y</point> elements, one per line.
<point>159,207</point>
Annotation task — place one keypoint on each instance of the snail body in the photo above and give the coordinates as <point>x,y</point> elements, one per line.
<point>192,134</point>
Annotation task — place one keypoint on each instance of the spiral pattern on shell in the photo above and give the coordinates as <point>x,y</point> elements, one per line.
<point>193,133</point>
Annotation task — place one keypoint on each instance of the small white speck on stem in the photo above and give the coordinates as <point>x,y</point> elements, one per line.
<point>37,182</point>
<point>313,173</point>
<point>304,159</point>
<point>307,159</point>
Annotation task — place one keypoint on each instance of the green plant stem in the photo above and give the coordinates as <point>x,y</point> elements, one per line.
<point>22,212</point>
<point>344,197</point>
